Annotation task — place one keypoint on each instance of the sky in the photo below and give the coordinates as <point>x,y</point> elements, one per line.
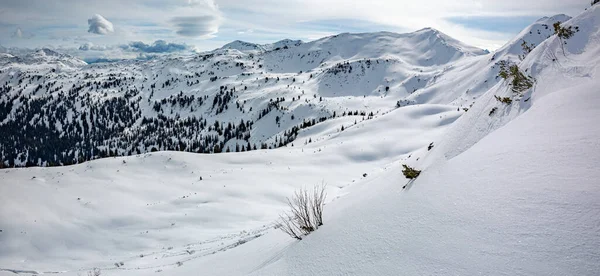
<point>111,29</point>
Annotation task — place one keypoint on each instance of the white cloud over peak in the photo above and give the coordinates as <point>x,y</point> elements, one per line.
<point>99,25</point>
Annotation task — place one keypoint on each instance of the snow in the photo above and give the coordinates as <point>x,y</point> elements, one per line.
<point>534,34</point>
<point>368,72</point>
<point>156,201</point>
<point>512,193</point>
<point>517,202</point>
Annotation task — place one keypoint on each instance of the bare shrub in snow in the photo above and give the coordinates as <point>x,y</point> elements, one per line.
<point>318,201</point>
<point>305,214</point>
<point>119,264</point>
<point>94,272</point>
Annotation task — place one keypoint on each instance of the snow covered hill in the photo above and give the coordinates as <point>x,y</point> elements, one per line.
<point>237,98</point>
<point>43,57</point>
<point>508,184</point>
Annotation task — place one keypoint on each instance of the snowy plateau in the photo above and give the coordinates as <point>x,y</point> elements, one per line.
<point>181,165</point>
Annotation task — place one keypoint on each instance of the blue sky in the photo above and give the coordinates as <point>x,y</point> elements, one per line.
<point>88,28</point>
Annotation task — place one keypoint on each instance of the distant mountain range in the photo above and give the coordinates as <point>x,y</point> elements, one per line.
<point>57,110</point>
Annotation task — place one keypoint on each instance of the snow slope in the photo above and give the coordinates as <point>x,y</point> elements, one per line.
<point>198,103</point>
<point>534,34</point>
<point>42,57</point>
<point>509,192</point>
<point>139,205</point>
<point>522,201</point>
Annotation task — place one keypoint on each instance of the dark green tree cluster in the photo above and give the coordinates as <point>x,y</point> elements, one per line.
<point>527,48</point>
<point>56,125</point>
<point>505,100</point>
<point>409,172</point>
<point>564,33</point>
<point>517,80</point>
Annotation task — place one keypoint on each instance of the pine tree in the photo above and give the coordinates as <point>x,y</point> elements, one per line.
<point>563,33</point>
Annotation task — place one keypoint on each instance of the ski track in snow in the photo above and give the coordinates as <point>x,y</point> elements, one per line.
<point>190,252</point>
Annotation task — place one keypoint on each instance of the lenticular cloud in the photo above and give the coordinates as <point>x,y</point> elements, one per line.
<point>196,26</point>
<point>99,25</point>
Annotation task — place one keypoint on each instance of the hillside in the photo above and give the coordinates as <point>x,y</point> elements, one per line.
<point>238,98</point>
<point>509,171</point>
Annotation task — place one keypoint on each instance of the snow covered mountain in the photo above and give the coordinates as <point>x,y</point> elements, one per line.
<point>42,57</point>
<point>506,142</point>
<point>240,97</point>
<point>251,47</point>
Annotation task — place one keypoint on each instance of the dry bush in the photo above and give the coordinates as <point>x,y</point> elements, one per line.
<point>305,214</point>
<point>94,272</point>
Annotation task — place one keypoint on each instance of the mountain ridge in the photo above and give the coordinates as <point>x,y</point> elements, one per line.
<point>226,99</point>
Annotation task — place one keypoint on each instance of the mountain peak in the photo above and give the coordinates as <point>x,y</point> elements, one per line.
<point>533,34</point>
<point>283,43</point>
<point>242,46</point>
<point>555,18</point>
<point>434,37</point>
<point>47,52</point>
<point>428,30</point>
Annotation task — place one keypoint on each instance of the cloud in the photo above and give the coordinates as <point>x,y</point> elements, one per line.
<point>282,18</point>
<point>85,47</point>
<point>138,50</point>
<point>197,19</point>
<point>271,20</point>
<point>248,31</point>
<point>99,25</point>
<point>91,47</point>
<point>18,33</point>
<point>196,26</point>
<point>159,46</point>
<point>92,53</point>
